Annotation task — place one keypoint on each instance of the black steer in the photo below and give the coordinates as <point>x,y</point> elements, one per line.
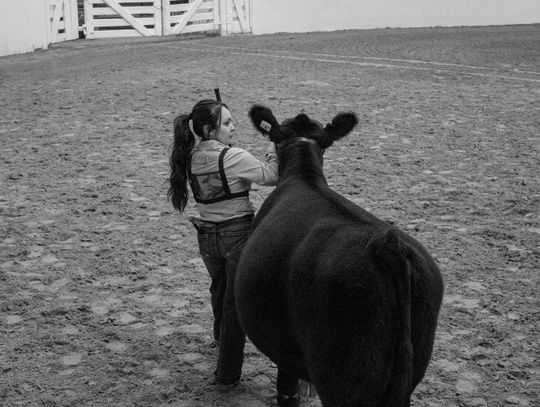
<point>330,293</point>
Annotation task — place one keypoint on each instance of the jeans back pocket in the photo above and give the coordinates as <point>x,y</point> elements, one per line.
<point>233,239</point>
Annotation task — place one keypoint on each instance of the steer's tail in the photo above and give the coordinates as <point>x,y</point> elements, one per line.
<point>391,260</point>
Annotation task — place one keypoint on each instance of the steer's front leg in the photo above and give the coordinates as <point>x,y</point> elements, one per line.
<point>288,390</point>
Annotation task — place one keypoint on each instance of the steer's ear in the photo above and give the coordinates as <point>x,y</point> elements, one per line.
<point>341,125</point>
<point>263,119</point>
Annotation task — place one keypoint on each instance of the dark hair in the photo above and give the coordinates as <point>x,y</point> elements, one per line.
<point>206,116</point>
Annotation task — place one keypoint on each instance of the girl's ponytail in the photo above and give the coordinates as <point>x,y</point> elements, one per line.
<point>184,141</point>
<point>206,117</point>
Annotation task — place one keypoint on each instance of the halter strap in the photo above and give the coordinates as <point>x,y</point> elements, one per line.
<point>293,140</point>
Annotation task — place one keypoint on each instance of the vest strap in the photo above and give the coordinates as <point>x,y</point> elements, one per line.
<point>222,198</point>
<point>224,181</point>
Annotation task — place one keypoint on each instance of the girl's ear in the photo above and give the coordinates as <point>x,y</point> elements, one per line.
<point>341,125</point>
<point>264,121</point>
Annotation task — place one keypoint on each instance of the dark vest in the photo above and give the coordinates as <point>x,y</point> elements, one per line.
<point>212,187</point>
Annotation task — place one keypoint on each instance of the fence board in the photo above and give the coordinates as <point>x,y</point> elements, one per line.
<point>120,22</point>
<point>195,28</point>
<point>166,17</point>
<point>196,17</point>
<point>88,26</point>
<point>125,3</point>
<point>215,9</point>
<point>107,11</point>
<point>202,17</point>
<point>117,34</point>
<point>209,5</point>
<point>222,17</point>
<point>158,18</point>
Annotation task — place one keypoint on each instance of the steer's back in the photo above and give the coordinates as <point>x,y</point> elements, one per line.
<point>294,235</point>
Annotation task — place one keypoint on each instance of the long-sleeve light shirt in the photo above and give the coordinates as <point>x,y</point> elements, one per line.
<point>241,169</point>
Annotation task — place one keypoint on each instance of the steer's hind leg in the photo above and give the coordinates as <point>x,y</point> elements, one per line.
<point>349,359</point>
<point>346,389</point>
<point>288,390</point>
<point>307,389</point>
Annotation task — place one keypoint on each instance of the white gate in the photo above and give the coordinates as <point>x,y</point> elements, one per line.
<point>122,18</point>
<point>62,20</point>
<point>128,18</point>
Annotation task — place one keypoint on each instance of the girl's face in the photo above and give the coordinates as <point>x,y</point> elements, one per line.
<point>227,130</point>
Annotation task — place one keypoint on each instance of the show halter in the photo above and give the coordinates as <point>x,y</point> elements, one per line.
<point>267,127</point>
<point>293,140</point>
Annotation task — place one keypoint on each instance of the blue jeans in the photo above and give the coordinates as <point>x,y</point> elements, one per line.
<point>220,245</point>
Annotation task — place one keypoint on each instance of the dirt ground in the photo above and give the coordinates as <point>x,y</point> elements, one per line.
<point>103,298</point>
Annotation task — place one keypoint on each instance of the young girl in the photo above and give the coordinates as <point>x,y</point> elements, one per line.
<point>220,178</point>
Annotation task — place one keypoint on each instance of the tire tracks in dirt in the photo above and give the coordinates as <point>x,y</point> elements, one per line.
<point>377,62</point>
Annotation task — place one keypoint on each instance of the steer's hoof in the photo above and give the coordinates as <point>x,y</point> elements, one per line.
<point>288,401</point>
<point>307,389</point>
<point>225,386</point>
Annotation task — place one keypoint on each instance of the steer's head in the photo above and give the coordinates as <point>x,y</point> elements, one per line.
<point>301,127</point>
